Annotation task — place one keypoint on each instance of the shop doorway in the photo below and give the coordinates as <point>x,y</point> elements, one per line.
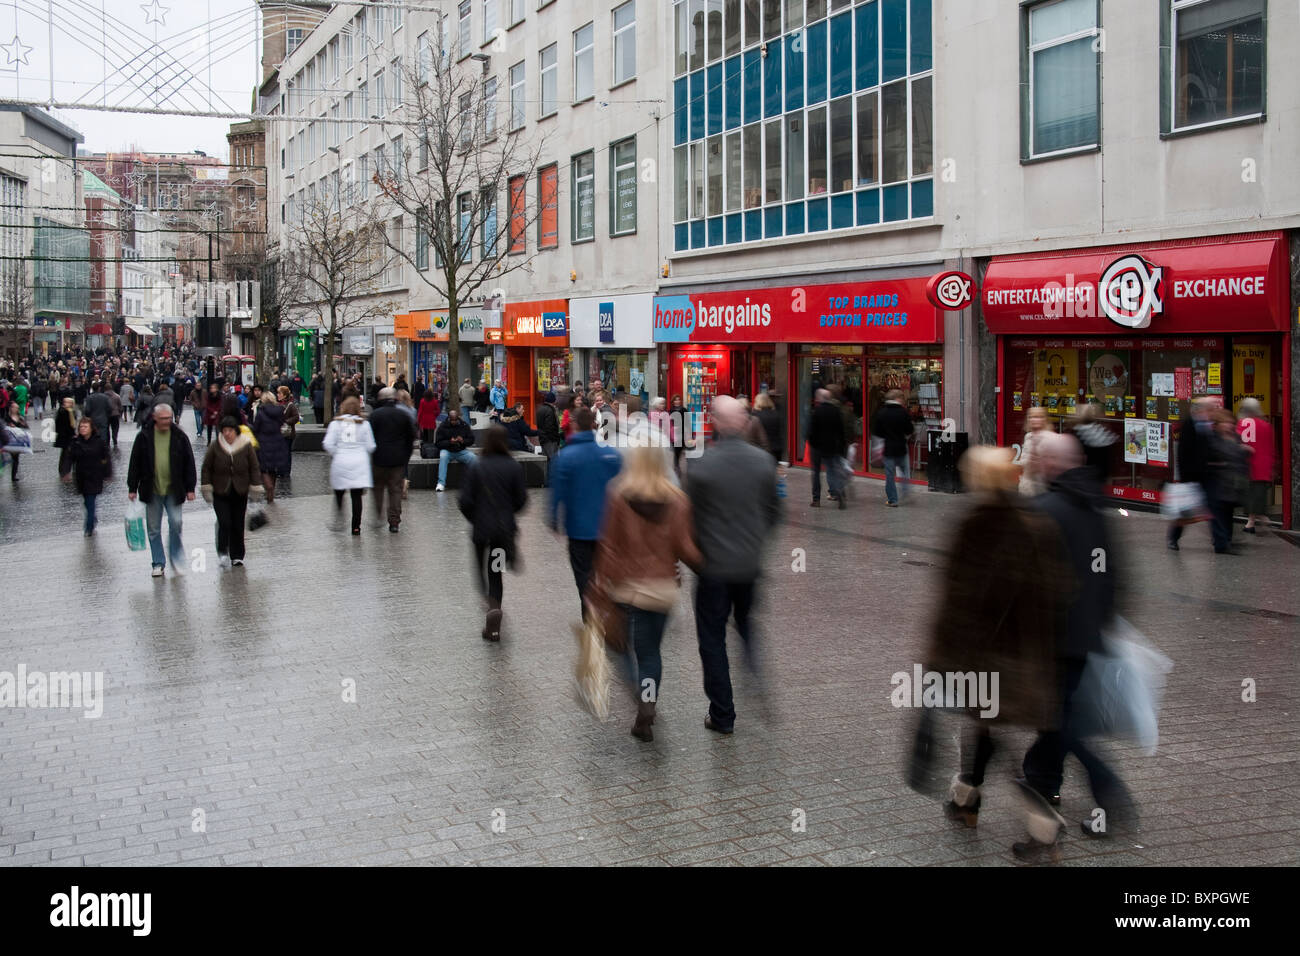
<point>835,365</point>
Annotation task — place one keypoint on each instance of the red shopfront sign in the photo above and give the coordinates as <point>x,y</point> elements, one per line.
<point>890,310</point>
<point>1228,284</point>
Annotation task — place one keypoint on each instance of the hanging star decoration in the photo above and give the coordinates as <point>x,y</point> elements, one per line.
<point>16,52</point>
<point>155,12</point>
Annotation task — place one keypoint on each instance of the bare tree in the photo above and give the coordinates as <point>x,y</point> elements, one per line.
<point>453,184</point>
<point>335,255</point>
<point>281,290</point>
<point>16,301</point>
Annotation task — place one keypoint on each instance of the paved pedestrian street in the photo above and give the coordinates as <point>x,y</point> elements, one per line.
<point>332,701</point>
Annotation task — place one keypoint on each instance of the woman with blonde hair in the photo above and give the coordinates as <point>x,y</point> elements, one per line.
<point>1037,425</point>
<point>647,529</point>
<point>995,616</point>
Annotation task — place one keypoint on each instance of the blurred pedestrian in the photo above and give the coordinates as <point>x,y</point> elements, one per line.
<point>427,415</point>
<point>518,430</point>
<point>162,473</point>
<point>91,467</point>
<point>289,429</point>
<point>647,529</point>
<point>995,616</point>
<point>15,425</point>
<point>1097,438</point>
<point>548,429</point>
<point>492,493</point>
<point>827,442</point>
<point>579,477</point>
<point>231,472</point>
<point>770,421</point>
<point>1072,502</point>
<point>498,396</point>
<point>567,423</point>
<point>272,445</point>
<point>1257,437</point>
<point>1037,427</point>
<point>114,415</point>
<point>350,442</point>
<point>395,434</point>
<point>732,491</point>
<point>466,397</point>
<point>1228,478</point>
<point>143,406</point>
<point>1193,460</point>
<point>894,427</point>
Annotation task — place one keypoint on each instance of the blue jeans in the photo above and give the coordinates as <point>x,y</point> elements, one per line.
<point>465,411</point>
<point>645,631</point>
<point>198,422</point>
<point>153,525</point>
<point>445,457</point>
<point>903,464</point>
<point>90,512</point>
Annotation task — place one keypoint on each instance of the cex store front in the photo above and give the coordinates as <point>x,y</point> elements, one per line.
<point>538,360</point>
<point>1142,332</point>
<point>866,337</point>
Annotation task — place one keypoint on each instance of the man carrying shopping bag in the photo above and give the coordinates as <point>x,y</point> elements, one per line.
<point>163,475</point>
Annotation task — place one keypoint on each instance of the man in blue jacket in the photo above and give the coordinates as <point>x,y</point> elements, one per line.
<point>578,477</point>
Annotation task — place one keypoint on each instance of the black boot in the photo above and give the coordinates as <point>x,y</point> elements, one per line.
<point>645,718</point>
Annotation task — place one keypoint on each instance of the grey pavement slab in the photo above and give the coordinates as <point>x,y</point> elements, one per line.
<point>230,735</point>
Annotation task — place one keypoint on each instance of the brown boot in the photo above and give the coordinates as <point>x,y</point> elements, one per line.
<point>645,718</point>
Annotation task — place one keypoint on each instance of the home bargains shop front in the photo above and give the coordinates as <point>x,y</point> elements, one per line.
<point>868,337</point>
<point>1143,331</point>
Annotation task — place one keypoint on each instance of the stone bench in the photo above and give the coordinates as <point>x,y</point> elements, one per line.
<point>423,472</point>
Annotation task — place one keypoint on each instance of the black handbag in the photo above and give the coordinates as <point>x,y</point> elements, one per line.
<point>428,450</point>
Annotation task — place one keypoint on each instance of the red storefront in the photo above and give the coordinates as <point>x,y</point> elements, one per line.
<point>536,337</point>
<point>1142,331</point>
<point>866,337</point>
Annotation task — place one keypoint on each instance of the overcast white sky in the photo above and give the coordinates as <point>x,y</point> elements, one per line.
<point>205,58</point>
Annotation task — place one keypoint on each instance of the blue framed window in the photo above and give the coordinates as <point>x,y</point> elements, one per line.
<point>868,207</point>
<point>841,55</point>
<point>753,82</point>
<point>715,231</point>
<point>697,104</point>
<point>732,86</point>
<point>922,58</point>
<point>794,218</point>
<point>682,236</point>
<point>735,228</point>
<point>866,23</point>
<point>818,215</point>
<point>773,222</point>
<point>893,46</point>
<point>681,114</point>
<point>772,81</point>
<point>793,71</point>
<point>922,198</point>
<point>714,81</point>
<point>895,203</point>
<point>816,40</point>
<point>842,211</point>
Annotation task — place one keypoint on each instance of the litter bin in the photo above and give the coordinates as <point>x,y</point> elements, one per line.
<point>941,466</point>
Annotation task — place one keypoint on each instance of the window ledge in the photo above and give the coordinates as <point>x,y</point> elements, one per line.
<point>551,115</point>
<point>1251,120</point>
<point>581,242</point>
<point>622,83</point>
<point>585,99</point>
<point>620,235</point>
<point>1061,154</point>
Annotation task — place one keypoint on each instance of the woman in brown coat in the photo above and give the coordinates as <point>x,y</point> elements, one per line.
<point>647,529</point>
<point>230,473</point>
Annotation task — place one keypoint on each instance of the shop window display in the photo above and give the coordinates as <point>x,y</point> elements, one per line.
<point>918,373</point>
<point>621,369</point>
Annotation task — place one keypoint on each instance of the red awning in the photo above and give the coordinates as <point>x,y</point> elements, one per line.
<point>99,328</point>
<point>1220,284</point>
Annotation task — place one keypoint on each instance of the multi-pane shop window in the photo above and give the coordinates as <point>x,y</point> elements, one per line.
<point>1062,88</point>
<point>622,187</point>
<point>583,212</point>
<point>548,60</point>
<point>625,42</point>
<point>517,96</point>
<point>791,118</point>
<point>1217,64</point>
<point>584,68</point>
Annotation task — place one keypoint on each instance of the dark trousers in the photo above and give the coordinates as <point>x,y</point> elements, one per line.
<point>645,632</point>
<point>357,495</point>
<point>389,480</point>
<point>65,462</point>
<point>715,601</point>
<point>976,749</point>
<point>488,564</point>
<point>318,413</point>
<point>550,449</point>
<point>582,554</point>
<point>230,510</point>
<point>114,422</point>
<point>1221,523</point>
<point>1044,764</point>
<point>90,513</point>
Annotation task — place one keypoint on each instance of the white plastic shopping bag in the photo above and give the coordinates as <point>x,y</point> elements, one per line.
<point>136,537</point>
<point>1120,691</point>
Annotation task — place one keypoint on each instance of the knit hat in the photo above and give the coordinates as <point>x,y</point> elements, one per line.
<point>549,397</point>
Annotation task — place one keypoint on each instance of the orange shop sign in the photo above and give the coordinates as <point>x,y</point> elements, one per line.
<point>544,323</point>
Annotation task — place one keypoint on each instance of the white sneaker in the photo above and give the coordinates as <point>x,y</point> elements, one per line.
<point>239,562</point>
<point>441,487</point>
<point>157,571</point>
<point>223,561</point>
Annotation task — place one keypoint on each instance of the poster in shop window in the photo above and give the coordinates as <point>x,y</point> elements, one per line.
<point>1055,371</point>
<point>1017,401</point>
<point>1251,375</point>
<point>1108,376</point>
<point>1183,384</point>
<point>1175,409</point>
<point>1158,443</point>
<point>1135,442</point>
<point>1153,407</point>
<point>1130,406</point>
<point>1162,384</point>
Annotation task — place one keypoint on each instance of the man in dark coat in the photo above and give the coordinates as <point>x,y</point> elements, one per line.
<point>162,474</point>
<point>827,443</point>
<point>1072,502</point>
<point>517,428</point>
<point>395,435</point>
<point>893,425</point>
<point>548,428</point>
<point>1194,454</point>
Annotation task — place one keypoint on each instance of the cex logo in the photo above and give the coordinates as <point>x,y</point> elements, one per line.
<point>1131,291</point>
<point>674,318</point>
